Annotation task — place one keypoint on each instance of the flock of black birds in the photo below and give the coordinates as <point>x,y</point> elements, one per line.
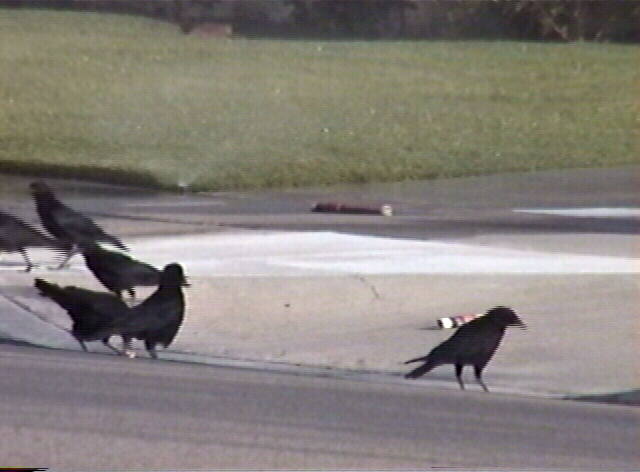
<point>96,316</point>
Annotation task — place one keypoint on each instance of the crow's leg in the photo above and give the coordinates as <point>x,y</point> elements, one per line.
<point>478,370</point>
<point>106,342</point>
<point>459,375</point>
<point>82,345</point>
<point>70,253</point>
<point>27,261</point>
<point>151,348</point>
<point>127,350</point>
<point>132,293</point>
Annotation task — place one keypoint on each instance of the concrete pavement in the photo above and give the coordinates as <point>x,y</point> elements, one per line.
<point>272,282</point>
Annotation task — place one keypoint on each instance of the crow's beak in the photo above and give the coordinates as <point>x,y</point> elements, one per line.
<point>521,325</point>
<point>185,282</point>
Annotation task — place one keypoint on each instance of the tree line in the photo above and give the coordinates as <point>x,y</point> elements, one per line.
<point>555,20</point>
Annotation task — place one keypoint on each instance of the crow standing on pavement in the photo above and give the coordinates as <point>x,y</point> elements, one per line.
<point>472,344</point>
<point>17,236</point>
<point>117,271</point>
<point>66,224</point>
<point>90,311</point>
<point>157,319</point>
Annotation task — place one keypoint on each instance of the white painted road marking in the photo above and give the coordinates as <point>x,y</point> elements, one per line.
<point>329,253</point>
<point>585,212</point>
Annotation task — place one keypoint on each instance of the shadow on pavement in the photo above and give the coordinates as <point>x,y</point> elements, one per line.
<point>630,397</point>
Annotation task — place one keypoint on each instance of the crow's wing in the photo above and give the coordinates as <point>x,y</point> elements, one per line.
<point>104,271</point>
<point>90,311</point>
<point>158,317</point>
<point>140,273</point>
<point>119,271</point>
<point>131,271</point>
<point>473,343</point>
<point>104,304</point>
<point>165,334</point>
<point>75,224</point>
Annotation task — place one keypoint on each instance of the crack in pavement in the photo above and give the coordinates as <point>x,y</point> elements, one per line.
<point>371,286</point>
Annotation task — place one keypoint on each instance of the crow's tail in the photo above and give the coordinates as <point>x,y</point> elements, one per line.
<point>57,294</point>
<point>417,359</point>
<point>419,371</point>
<point>423,369</point>
<point>116,242</point>
<point>54,292</point>
<point>47,289</point>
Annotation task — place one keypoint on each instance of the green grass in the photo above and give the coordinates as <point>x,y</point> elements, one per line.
<point>132,99</point>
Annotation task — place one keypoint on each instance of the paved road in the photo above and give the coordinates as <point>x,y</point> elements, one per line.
<point>75,411</point>
<point>449,208</point>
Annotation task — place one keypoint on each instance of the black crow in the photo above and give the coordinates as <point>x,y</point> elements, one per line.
<point>117,271</point>
<point>472,344</point>
<point>66,224</point>
<point>17,236</point>
<point>157,319</point>
<point>90,311</point>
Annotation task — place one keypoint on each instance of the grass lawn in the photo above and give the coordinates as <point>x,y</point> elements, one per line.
<point>122,98</point>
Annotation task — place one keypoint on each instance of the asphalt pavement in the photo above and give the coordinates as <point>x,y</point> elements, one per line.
<point>72,411</point>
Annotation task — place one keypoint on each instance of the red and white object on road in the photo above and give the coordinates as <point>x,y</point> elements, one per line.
<point>455,321</point>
